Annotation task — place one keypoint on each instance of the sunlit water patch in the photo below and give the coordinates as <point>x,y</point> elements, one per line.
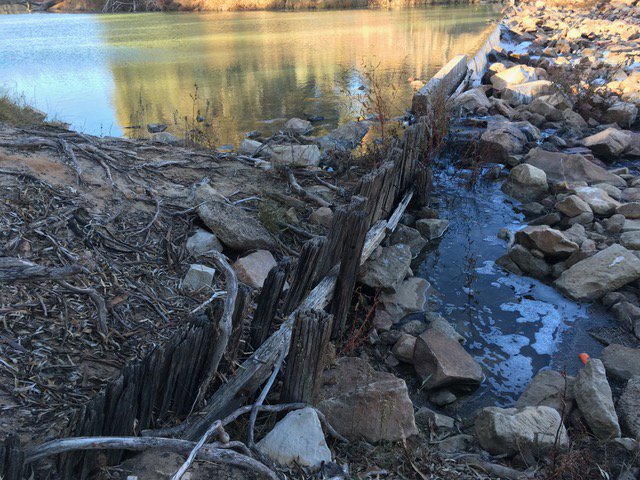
<point>104,73</point>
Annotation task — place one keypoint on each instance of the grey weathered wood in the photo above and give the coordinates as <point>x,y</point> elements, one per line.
<point>11,459</point>
<point>309,339</point>
<point>304,273</point>
<point>349,265</point>
<point>268,302</point>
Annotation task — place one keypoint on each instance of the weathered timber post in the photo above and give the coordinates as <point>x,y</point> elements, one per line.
<point>349,263</point>
<point>309,340</point>
<point>11,459</point>
<point>304,274</point>
<point>268,303</point>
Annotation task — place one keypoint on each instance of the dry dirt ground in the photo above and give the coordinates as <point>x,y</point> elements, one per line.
<point>119,212</point>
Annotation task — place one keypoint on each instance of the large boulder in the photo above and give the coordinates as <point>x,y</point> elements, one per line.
<point>551,242</point>
<point>629,407</point>
<point>604,272</point>
<point>233,226</point>
<point>516,76</point>
<point>297,439</point>
<point>387,268</point>
<point>254,268</point>
<point>594,399</point>
<point>363,403</point>
<point>410,297</point>
<point>551,389</point>
<point>525,93</point>
<point>441,361</point>
<point>609,143</point>
<point>622,113</point>
<point>526,183</point>
<point>508,431</point>
<point>563,167</point>
<point>620,362</point>
<point>598,199</point>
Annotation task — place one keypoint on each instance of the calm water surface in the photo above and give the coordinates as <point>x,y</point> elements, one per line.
<point>104,73</point>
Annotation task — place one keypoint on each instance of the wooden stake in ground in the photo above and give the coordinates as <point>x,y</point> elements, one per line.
<point>309,340</point>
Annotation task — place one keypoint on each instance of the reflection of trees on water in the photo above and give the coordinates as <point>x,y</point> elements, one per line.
<point>260,65</point>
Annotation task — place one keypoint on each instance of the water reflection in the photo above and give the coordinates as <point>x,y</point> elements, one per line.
<point>104,72</point>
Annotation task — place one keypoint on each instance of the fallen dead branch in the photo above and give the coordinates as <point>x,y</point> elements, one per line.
<point>15,269</point>
<point>97,300</point>
<point>213,453</point>
<point>301,191</point>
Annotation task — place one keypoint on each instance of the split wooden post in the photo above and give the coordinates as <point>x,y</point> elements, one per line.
<point>309,340</point>
<point>11,459</point>
<point>268,303</point>
<point>349,264</point>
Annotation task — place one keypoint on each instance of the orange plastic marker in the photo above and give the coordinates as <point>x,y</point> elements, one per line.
<point>584,357</point>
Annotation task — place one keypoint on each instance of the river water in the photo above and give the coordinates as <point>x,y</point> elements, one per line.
<point>104,73</point>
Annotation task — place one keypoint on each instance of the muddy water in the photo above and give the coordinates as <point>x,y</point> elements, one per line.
<point>104,73</point>
<point>514,326</point>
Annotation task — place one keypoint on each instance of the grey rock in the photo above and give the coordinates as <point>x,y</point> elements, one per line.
<point>629,210</point>
<point>297,439</point>
<point>631,239</point>
<point>599,200</point>
<point>553,243</point>
<point>508,431</point>
<point>432,228</point>
<point>253,269</point>
<point>427,419</point>
<point>233,226</point>
<point>528,263</point>
<point>594,399</point>
<point>201,242</point>
<point>573,206</point>
<point>600,274</point>
<point>295,155</point>
<point>408,236</point>
<point>403,348</point>
<point>526,183</point>
<point>629,407</point>
<point>441,362</point>
<point>549,388</point>
<point>622,113</point>
<point>620,362</point>
<point>608,143</point>
<point>298,125</point>
<point>198,277</point>
<point>388,269</point>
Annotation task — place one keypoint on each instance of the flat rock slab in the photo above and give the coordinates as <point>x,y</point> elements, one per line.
<point>563,167</point>
<point>254,268</point>
<point>410,297</point>
<point>363,403</point>
<point>441,361</point>
<point>604,272</point>
<point>621,362</point>
<point>232,225</point>
<point>508,431</point>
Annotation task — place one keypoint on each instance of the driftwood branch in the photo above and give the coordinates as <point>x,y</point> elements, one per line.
<point>301,191</point>
<point>97,300</point>
<point>183,447</point>
<point>225,324</point>
<point>15,269</point>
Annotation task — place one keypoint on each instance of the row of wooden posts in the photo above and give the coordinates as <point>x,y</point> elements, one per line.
<point>165,384</point>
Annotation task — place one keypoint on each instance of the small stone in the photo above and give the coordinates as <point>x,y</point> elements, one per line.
<point>166,138</point>
<point>631,240</point>
<point>629,210</point>
<point>297,439</point>
<point>388,269</point>
<point>408,236</point>
<point>254,268</point>
<point>573,206</point>
<point>201,242</point>
<point>456,443</point>
<point>156,127</point>
<point>608,143</point>
<point>599,200</point>
<point>442,397</point>
<point>528,263</point>
<point>322,216</point>
<point>298,125</point>
<point>403,348</point>
<point>198,277</point>
<point>432,228</point>
<point>551,242</point>
<point>549,388</point>
<point>427,419</point>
